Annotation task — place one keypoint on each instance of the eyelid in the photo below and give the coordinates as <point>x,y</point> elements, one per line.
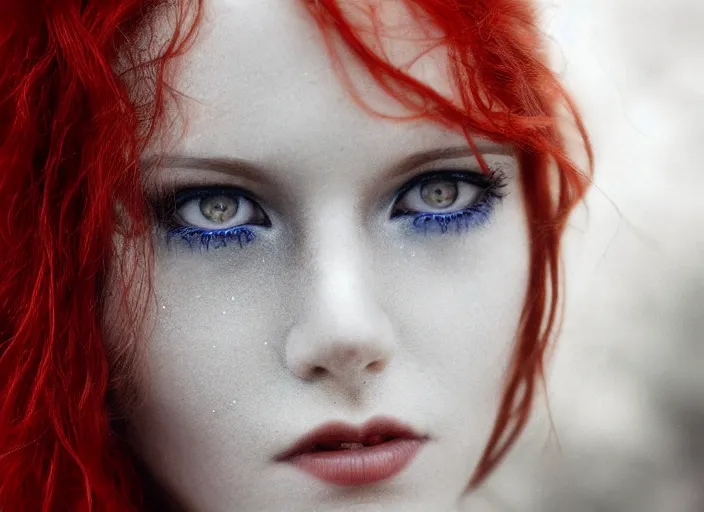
<point>176,194</point>
<point>186,193</point>
<point>180,193</point>
<point>476,178</point>
<point>168,202</point>
<point>167,183</point>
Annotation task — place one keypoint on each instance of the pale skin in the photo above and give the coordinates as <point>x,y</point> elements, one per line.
<point>335,310</point>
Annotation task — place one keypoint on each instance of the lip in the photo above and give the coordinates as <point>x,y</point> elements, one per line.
<point>389,447</point>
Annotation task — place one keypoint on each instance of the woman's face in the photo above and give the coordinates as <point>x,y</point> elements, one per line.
<point>314,264</point>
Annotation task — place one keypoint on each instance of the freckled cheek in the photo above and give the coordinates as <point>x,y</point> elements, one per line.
<point>217,314</point>
<point>455,306</point>
<point>448,316</point>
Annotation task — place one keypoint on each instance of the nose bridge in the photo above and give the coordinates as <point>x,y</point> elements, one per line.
<point>341,280</point>
<point>338,263</point>
<point>342,331</point>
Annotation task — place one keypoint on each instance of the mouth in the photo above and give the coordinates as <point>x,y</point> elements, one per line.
<point>344,454</point>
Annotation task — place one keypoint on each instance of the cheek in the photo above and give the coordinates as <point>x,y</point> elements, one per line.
<point>456,301</point>
<point>211,364</point>
<point>219,316</point>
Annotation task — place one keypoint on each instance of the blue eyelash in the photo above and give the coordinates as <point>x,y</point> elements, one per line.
<point>475,215</point>
<point>213,239</point>
<point>472,217</point>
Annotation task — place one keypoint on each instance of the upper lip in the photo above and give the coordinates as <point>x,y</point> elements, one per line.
<point>376,430</point>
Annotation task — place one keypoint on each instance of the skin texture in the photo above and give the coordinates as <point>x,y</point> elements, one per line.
<point>399,323</point>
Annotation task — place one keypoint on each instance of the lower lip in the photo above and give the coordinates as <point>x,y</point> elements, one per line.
<point>362,466</point>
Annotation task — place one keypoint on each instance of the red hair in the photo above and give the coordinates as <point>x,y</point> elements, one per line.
<point>71,133</point>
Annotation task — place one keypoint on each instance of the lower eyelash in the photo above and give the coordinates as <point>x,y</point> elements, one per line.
<point>472,217</point>
<point>197,238</point>
<point>476,215</point>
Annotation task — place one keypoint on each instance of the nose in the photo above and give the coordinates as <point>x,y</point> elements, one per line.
<point>343,333</point>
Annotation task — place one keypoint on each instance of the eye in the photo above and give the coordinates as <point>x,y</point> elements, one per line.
<point>210,217</point>
<point>443,193</point>
<point>216,209</point>
<point>444,199</point>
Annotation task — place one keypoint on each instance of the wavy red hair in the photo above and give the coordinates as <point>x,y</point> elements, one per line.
<point>71,133</point>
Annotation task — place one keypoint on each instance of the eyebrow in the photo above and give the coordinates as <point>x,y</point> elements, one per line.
<point>419,159</point>
<point>235,166</point>
<point>254,172</point>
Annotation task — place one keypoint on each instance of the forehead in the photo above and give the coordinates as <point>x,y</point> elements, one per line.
<point>260,81</point>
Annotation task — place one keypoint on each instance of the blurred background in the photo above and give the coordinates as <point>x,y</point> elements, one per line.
<point>626,383</point>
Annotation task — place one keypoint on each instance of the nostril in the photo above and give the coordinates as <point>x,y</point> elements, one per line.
<point>318,371</point>
<point>376,366</point>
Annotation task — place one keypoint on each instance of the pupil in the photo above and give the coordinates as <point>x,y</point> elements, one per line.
<point>218,209</point>
<point>439,194</point>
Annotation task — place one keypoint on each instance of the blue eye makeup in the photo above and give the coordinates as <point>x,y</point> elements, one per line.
<point>211,217</point>
<point>441,200</point>
<point>437,201</point>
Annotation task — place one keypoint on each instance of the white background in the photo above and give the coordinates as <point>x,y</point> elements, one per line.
<point>626,384</point>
